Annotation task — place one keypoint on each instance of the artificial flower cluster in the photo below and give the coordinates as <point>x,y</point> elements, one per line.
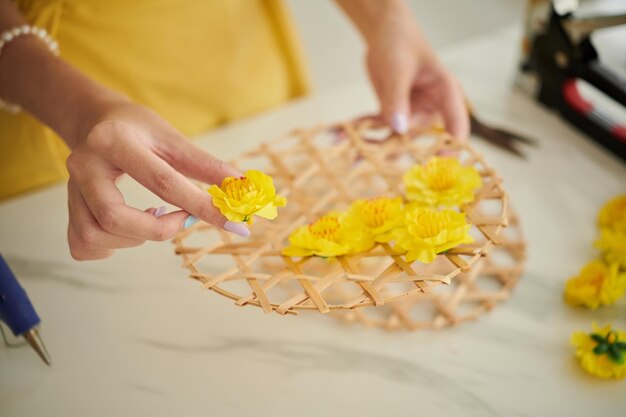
<point>240,198</point>
<point>612,225</point>
<point>602,282</point>
<point>429,222</point>
<point>602,352</point>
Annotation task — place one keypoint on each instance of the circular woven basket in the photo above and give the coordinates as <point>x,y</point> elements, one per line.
<point>322,170</point>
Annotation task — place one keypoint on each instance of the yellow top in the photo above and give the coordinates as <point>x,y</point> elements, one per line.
<point>198,63</point>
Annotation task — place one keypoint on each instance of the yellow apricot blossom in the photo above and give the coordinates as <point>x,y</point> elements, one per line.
<point>377,216</point>
<point>602,352</point>
<point>441,182</point>
<point>612,243</point>
<point>612,224</point>
<point>239,198</point>
<point>596,285</point>
<point>328,236</point>
<point>427,232</point>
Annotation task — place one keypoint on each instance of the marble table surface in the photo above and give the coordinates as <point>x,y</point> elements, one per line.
<point>133,335</point>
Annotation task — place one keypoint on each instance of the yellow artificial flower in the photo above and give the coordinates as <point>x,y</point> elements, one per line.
<point>377,216</point>
<point>612,243</point>
<point>442,182</point>
<point>427,232</point>
<point>239,198</point>
<point>331,235</point>
<point>613,214</point>
<point>602,352</point>
<point>596,285</point>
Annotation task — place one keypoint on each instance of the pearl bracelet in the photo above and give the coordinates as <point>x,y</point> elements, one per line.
<point>9,35</point>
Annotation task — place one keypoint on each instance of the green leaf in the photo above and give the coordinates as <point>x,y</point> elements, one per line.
<point>616,355</point>
<point>621,345</point>
<point>601,348</point>
<point>597,338</point>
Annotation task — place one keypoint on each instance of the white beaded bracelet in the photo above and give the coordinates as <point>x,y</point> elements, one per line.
<point>9,35</point>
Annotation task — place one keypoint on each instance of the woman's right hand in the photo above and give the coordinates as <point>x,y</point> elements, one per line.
<point>108,136</point>
<point>134,140</point>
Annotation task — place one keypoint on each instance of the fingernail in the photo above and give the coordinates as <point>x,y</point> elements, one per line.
<point>399,123</point>
<point>447,153</point>
<point>237,228</point>
<point>160,211</point>
<point>189,221</point>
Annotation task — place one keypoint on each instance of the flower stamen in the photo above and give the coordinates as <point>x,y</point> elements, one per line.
<point>430,224</point>
<point>236,188</point>
<point>326,227</point>
<point>440,175</point>
<point>376,211</point>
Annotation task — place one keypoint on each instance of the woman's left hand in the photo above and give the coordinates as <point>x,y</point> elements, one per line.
<point>411,83</point>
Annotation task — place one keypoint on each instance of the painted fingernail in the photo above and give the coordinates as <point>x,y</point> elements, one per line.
<point>190,221</point>
<point>447,153</point>
<point>399,123</point>
<point>160,211</point>
<point>237,228</point>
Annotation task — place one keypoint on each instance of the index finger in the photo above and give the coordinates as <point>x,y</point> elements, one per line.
<point>155,174</point>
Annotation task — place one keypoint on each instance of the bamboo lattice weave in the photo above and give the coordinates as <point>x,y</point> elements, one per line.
<point>322,170</point>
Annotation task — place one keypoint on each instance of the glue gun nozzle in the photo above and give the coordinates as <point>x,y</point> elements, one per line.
<point>34,340</point>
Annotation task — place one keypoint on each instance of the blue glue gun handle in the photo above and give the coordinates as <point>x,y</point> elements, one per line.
<point>16,309</point>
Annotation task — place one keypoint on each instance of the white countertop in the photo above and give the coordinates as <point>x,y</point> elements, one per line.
<point>133,335</point>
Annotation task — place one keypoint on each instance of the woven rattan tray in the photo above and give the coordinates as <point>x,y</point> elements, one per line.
<point>324,169</point>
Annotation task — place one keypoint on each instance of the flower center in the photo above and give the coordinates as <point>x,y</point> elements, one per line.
<point>440,174</point>
<point>325,227</point>
<point>430,224</point>
<point>236,188</point>
<point>376,211</point>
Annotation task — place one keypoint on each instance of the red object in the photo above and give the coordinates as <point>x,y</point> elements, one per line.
<point>577,102</point>
<point>619,131</point>
<point>573,97</point>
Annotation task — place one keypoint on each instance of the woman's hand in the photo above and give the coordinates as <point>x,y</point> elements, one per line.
<point>109,136</point>
<point>134,140</point>
<point>411,84</point>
